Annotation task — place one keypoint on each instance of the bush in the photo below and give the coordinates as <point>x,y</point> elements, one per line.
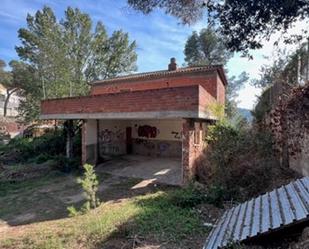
<point>215,195</point>
<point>22,149</point>
<point>89,184</point>
<point>238,164</point>
<point>188,197</point>
<point>51,145</point>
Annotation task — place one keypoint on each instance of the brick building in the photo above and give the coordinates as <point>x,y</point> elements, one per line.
<point>156,114</point>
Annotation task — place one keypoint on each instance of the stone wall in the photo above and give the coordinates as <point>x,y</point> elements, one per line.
<point>288,121</point>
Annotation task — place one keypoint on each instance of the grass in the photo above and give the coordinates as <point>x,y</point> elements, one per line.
<point>151,216</point>
<point>8,188</point>
<point>160,215</point>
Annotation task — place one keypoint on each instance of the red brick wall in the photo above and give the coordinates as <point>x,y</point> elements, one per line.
<point>208,80</point>
<point>220,91</point>
<point>10,126</point>
<point>191,152</point>
<point>178,98</point>
<point>205,99</point>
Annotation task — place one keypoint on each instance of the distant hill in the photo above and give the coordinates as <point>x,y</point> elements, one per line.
<point>246,113</point>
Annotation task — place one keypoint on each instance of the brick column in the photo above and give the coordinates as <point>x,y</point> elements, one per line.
<point>191,152</point>
<point>187,142</point>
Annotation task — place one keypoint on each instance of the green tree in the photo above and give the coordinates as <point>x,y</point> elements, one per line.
<point>7,81</point>
<point>235,84</point>
<point>112,59</point>
<point>286,68</point>
<point>66,54</point>
<point>14,80</point>
<point>206,48</point>
<point>244,23</point>
<point>279,77</point>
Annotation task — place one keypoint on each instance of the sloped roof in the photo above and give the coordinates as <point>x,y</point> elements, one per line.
<point>272,211</point>
<point>165,73</point>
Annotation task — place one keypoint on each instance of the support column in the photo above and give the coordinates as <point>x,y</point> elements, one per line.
<point>187,139</point>
<point>89,141</point>
<point>98,142</point>
<point>193,145</point>
<point>69,138</point>
<point>84,148</point>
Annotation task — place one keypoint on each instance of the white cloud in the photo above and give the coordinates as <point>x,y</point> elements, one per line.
<point>158,36</point>
<point>266,55</point>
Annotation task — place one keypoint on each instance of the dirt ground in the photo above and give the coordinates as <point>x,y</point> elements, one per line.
<point>37,194</point>
<point>47,198</point>
<point>34,194</point>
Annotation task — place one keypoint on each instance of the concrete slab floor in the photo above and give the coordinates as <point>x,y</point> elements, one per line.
<point>153,169</point>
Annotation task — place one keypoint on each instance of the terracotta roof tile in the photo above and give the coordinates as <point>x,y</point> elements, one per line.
<point>164,73</point>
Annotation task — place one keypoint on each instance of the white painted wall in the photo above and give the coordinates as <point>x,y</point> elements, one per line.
<point>166,129</point>
<point>91,132</point>
<point>112,135</point>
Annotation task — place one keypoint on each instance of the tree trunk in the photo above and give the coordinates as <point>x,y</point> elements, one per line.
<point>6,102</point>
<point>5,106</point>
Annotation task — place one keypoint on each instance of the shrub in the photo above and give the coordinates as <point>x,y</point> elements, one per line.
<point>73,211</point>
<point>188,197</point>
<point>51,145</point>
<point>238,164</point>
<point>89,183</point>
<point>215,195</point>
<point>22,149</point>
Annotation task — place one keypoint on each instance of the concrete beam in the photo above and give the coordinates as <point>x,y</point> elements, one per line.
<point>130,115</point>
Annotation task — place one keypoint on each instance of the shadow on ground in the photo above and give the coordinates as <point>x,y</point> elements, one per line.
<point>47,194</point>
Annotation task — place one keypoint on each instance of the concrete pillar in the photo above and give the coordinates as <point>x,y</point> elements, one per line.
<point>69,138</point>
<point>90,141</point>
<point>84,147</point>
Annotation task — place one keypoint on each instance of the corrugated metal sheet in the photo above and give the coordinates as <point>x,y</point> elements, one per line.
<point>271,211</point>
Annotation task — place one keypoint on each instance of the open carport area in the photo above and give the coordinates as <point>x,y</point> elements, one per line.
<point>167,170</point>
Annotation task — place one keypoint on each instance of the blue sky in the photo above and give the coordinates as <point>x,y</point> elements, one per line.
<point>158,36</point>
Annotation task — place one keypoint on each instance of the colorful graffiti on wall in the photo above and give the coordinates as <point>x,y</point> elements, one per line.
<point>147,131</point>
<point>176,134</point>
<point>146,143</point>
<point>111,141</point>
<point>107,136</point>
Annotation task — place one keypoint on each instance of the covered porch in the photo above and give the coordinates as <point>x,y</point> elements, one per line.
<point>161,126</point>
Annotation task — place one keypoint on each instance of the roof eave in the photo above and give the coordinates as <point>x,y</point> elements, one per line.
<point>163,73</point>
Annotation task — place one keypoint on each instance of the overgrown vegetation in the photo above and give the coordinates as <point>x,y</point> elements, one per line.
<point>239,162</point>
<point>286,71</point>
<point>50,146</point>
<point>167,216</point>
